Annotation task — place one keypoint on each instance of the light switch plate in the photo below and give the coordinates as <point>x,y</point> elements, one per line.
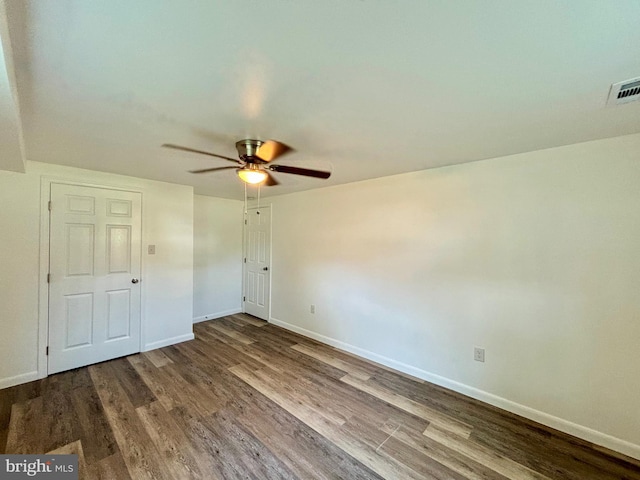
<point>151,249</point>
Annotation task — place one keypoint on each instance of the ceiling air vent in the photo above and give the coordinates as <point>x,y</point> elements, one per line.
<point>624,92</point>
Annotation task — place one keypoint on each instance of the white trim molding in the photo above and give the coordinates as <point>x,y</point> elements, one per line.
<point>43,286</point>
<point>168,341</point>
<point>213,316</point>
<point>255,205</point>
<point>580,431</point>
<point>19,379</point>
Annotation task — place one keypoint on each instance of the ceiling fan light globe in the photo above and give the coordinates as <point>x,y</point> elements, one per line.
<point>252,176</point>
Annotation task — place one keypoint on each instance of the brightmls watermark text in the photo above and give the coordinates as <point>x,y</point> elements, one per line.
<point>51,467</point>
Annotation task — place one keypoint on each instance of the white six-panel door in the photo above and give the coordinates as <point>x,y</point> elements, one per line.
<point>257,259</point>
<point>94,289</point>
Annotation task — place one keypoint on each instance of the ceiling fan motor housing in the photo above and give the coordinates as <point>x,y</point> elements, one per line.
<point>247,150</point>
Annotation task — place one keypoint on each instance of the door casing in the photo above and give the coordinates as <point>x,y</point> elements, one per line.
<point>269,255</point>
<point>43,286</point>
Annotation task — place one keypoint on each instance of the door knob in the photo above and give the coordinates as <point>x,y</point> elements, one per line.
<point>134,280</point>
<point>265,268</point>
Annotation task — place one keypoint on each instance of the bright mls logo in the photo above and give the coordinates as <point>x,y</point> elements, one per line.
<point>52,467</point>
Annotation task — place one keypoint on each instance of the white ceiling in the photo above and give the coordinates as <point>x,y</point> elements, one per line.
<point>364,88</point>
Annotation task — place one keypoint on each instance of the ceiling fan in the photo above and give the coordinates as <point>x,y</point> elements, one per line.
<point>254,161</point>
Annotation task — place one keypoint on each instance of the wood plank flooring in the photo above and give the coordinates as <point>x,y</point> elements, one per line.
<point>246,399</point>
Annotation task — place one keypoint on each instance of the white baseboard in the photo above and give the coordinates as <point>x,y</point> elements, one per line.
<point>580,431</point>
<point>212,316</point>
<point>18,379</point>
<point>168,341</point>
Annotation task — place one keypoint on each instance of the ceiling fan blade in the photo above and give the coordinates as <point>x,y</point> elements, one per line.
<point>270,181</point>
<point>299,171</point>
<point>193,150</point>
<point>207,170</point>
<point>270,150</point>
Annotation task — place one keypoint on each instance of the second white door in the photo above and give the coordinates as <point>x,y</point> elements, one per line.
<point>94,290</point>
<point>257,276</point>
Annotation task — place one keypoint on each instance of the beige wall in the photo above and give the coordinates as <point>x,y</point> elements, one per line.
<point>534,257</point>
<point>167,276</point>
<point>217,265</point>
<point>19,261</point>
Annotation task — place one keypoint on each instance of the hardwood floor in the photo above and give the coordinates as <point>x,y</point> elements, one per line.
<point>247,399</point>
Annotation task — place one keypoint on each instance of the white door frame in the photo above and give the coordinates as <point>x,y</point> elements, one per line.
<point>43,286</point>
<point>244,253</point>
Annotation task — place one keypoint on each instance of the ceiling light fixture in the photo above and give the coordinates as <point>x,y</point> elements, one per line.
<point>252,174</point>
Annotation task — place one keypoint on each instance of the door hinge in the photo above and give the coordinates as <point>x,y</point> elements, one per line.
<point>49,205</point>
<point>48,278</point>
<point>245,222</point>
<point>47,350</point>
<point>245,259</point>
<point>244,299</point>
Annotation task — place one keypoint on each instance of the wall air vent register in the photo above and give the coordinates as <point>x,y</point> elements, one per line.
<point>624,92</point>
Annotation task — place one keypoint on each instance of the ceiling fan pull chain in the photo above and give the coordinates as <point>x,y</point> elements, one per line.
<point>245,199</point>
<point>258,196</point>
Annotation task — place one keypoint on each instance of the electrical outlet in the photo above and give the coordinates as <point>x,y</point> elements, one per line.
<point>151,249</point>
<point>478,354</point>
<point>313,309</point>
